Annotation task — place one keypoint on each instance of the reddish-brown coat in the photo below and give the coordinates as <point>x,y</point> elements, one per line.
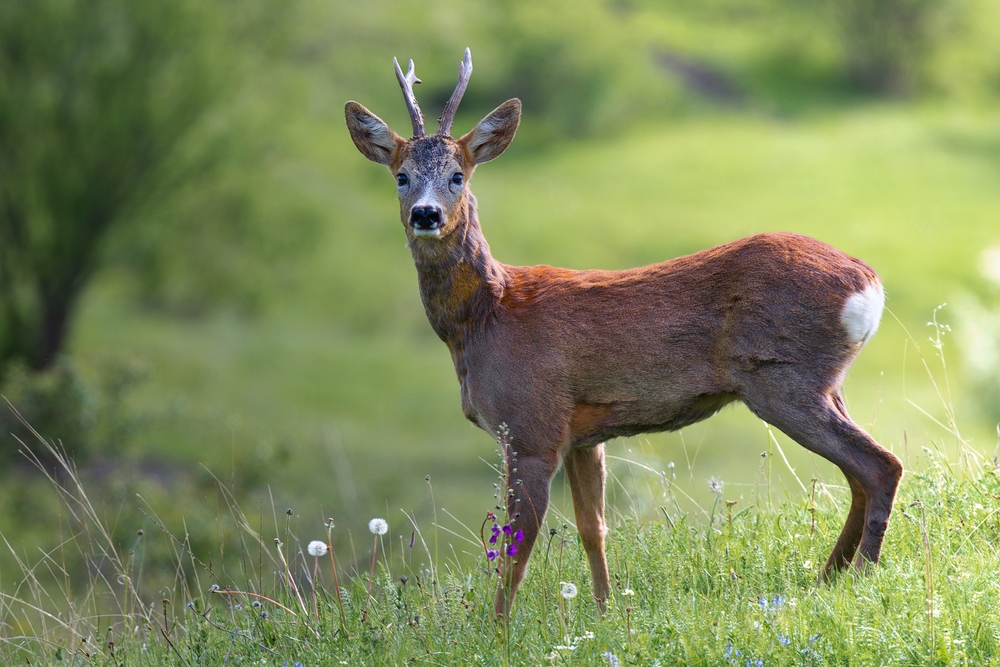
<point>563,360</point>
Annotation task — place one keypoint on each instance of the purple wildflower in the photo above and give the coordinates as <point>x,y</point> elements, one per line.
<point>508,529</point>
<point>519,536</point>
<point>492,554</point>
<point>511,550</point>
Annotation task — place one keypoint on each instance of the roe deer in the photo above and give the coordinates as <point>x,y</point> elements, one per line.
<point>568,359</point>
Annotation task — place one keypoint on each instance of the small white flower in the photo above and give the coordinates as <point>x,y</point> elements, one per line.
<point>716,485</point>
<point>567,590</point>
<point>807,565</point>
<point>378,526</point>
<point>316,548</point>
<point>628,591</point>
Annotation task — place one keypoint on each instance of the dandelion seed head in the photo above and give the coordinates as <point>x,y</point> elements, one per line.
<point>317,548</point>
<point>567,589</point>
<point>378,526</point>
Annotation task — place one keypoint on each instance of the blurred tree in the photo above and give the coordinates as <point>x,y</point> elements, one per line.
<point>95,98</point>
<point>886,42</point>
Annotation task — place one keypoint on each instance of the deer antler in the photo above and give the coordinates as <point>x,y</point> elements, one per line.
<point>448,115</point>
<point>406,83</point>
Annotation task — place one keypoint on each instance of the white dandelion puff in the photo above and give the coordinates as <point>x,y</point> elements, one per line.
<point>316,548</point>
<point>378,526</point>
<point>567,590</point>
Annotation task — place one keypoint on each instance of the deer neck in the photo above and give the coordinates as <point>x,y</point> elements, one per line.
<point>460,282</point>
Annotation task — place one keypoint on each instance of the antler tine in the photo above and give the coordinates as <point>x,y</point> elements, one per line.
<point>406,83</point>
<point>448,115</point>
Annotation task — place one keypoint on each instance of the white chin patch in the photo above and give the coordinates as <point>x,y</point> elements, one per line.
<point>862,313</point>
<point>427,233</point>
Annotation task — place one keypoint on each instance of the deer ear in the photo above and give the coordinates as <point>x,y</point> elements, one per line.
<point>371,135</point>
<point>493,134</point>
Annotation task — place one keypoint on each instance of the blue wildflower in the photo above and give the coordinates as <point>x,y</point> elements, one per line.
<point>783,640</point>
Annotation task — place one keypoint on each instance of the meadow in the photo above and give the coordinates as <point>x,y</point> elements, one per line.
<point>229,402</point>
<point>732,584</point>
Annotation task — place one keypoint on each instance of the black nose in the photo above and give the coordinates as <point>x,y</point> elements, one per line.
<point>425,217</point>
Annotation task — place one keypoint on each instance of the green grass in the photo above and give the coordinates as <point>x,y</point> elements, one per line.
<point>735,588</point>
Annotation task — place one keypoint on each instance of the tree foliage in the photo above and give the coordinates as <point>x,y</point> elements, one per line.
<point>95,98</point>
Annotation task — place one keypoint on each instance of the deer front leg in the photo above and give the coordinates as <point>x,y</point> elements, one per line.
<point>529,478</point>
<point>586,475</point>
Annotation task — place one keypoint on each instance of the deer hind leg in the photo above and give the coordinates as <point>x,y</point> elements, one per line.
<point>821,425</point>
<point>529,478</point>
<point>586,475</point>
<point>850,537</point>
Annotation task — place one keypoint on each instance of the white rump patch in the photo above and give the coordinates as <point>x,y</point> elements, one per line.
<point>862,313</point>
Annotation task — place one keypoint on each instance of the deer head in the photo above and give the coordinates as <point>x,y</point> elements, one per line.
<point>432,173</point>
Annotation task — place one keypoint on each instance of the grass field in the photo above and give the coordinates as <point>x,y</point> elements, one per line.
<point>338,401</point>
<point>308,388</point>
<point>735,587</point>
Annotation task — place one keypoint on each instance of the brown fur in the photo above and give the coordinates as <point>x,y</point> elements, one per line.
<point>569,359</point>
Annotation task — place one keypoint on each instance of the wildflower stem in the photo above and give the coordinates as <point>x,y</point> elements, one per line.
<point>291,582</point>
<point>336,582</point>
<point>315,572</point>
<point>371,577</point>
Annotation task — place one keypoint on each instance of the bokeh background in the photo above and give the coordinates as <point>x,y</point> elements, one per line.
<point>203,285</point>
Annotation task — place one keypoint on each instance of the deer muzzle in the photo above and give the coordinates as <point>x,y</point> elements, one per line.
<point>426,220</point>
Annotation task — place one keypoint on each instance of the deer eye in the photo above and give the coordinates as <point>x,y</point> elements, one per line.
<point>402,179</point>
<point>457,178</point>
